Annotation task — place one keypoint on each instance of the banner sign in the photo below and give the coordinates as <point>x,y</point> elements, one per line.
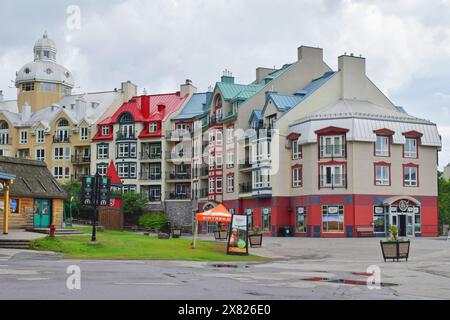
<point>87,191</point>
<point>238,238</point>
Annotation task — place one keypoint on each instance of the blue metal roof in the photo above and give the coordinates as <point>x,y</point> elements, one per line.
<point>7,176</point>
<point>196,107</point>
<point>256,115</point>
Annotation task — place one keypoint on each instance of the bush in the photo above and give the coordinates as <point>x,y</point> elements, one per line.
<point>153,221</point>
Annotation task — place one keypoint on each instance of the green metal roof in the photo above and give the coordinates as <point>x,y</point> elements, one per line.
<point>231,90</point>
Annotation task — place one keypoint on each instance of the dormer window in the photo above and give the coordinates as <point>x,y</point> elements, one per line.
<point>105,131</point>
<point>153,127</point>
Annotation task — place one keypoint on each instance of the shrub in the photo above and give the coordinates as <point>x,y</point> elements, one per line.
<point>152,221</point>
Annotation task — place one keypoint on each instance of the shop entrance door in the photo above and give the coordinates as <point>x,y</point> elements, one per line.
<point>402,226</point>
<point>42,213</point>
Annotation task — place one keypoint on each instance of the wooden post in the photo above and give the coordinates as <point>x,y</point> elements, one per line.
<point>6,207</point>
<point>195,234</point>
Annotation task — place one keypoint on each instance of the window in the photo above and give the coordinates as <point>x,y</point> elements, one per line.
<point>67,173</point>
<point>230,183</point>
<point>211,162</point>
<point>102,168</point>
<point>48,87</point>
<point>212,186</point>
<point>249,213</point>
<point>230,158</point>
<point>300,220</point>
<point>219,161</point>
<point>127,170</point>
<point>4,137</point>
<point>379,220</point>
<point>129,189</point>
<point>59,154</point>
<point>219,140</point>
<point>296,150</point>
<point>102,151</point>
<point>332,146</point>
<point>58,173</point>
<point>153,127</point>
<point>332,176</point>
<point>65,90</point>
<point>105,130</point>
<point>84,136</point>
<point>40,136</point>
<point>382,174</point>
<point>411,176</point>
<point>230,135</point>
<point>297,177</point>
<point>28,87</point>
<point>382,146</point>
<point>410,150</point>
<point>333,219</point>
<point>40,154</point>
<point>261,179</point>
<point>181,190</point>
<point>219,185</point>
<point>266,219</point>
<point>67,153</point>
<point>23,137</point>
<point>417,220</point>
<point>126,131</point>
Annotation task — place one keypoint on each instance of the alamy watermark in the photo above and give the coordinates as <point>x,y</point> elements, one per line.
<point>74,280</point>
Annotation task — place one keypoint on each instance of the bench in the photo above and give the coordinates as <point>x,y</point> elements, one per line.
<point>364,230</point>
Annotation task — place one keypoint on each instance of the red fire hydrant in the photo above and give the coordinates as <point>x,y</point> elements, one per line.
<point>52,231</point>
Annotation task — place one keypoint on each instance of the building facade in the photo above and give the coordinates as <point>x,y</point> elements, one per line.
<point>47,122</point>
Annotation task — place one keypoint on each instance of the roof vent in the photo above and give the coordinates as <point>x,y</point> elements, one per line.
<point>161,108</point>
<point>188,81</point>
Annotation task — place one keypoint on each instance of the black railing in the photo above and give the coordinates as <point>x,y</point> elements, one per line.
<point>126,136</point>
<point>61,139</point>
<point>246,187</point>
<point>178,156</point>
<point>178,196</point>
<point>179,176</point>
<point>154,198</point>
<point>333,181</point>
<point>245,165</point>
<point>81,159</point>
<point>150,176</point>
<point>151,156</point>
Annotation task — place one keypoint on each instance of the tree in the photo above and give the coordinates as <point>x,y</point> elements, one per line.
<point>133,204</point>
<point>73,190</point>
<point>444,200</point>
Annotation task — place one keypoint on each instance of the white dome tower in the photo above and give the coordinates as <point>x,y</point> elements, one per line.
<point>43,82</point>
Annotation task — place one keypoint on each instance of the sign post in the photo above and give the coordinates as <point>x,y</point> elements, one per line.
<point>96,191</point>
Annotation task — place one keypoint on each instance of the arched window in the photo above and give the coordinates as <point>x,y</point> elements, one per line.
<point>63,123</point>
<point>218,103</point>
<point>4,125</point>
<point>126,117</point>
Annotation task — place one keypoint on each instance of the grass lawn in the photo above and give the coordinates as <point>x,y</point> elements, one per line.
<point>131,246</point>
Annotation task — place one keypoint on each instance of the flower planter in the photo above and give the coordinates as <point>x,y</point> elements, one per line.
<point>255,240</point>
<point>221,235</point>
<point>176,233</point>
<point>395,250</point>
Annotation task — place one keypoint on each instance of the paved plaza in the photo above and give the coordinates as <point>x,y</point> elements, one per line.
<point>300,269</point>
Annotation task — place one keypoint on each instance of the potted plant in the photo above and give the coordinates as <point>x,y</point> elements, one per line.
<point>395,248</point>
<point>255,237</point>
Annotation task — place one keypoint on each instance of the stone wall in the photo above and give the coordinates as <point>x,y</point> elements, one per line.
<point>180,212</point>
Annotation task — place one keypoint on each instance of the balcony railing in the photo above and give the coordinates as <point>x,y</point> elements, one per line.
<point>332,151</point>
<point>61,139</point>
<point>179,134</point>
<point>230,116</point>
<point>179,156</point>
<point>151,156</point>
<point>81,159</point>
<point>178,196</point>
<point>246,187</point>
<point>179,176</point>
<point>146,176</point>
<point>333,181</point>
<point>126,136</point>
<point>246,165</point>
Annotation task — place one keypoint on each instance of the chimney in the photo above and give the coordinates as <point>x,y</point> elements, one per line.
<point>227,77</point>
<point>1,96</point>
<point>145,106</point>
<point>353,77</point>
<point>310,53</point>
<point>187,88</point>
<point>26,112</point>
<point>261,73</point>
<point>129,90</point>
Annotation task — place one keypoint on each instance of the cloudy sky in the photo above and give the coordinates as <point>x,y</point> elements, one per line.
<point>158,44</point>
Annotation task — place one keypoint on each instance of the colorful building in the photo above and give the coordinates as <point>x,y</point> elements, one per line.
<point>48,122</point>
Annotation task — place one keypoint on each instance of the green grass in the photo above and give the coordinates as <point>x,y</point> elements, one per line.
<point>131,246</point>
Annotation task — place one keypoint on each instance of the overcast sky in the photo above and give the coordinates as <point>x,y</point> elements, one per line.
<point>158,44</point>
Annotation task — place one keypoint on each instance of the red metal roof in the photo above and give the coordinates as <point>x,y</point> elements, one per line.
<point>149,108</point>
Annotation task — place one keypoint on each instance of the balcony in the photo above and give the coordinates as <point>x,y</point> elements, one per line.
<point>151,156</point>
<point>333,181</point>
<point>246,187</point>
<point>178,196</point>
<point>214,120</point>
<point>125,136</point>
<point>179,134</point>
<point>81,159</point>
<point>181,156</point>
<point>146,176</point>
<point>174,176</point>
<point>61,139</point>
<point>246,165</point>
<point>229,117</point>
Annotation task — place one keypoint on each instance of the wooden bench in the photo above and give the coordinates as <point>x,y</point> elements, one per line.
<point>364,230</point>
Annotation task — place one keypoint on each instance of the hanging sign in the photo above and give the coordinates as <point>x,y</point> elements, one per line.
<point>87,191</point>
<point>238,238</point>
